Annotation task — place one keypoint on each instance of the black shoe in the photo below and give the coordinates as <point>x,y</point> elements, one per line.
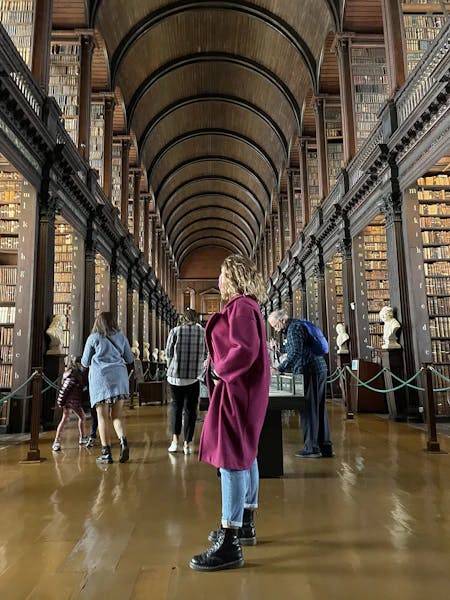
<point>124,450</point>
<point>225,553</point>
<point>327,451</point>
<point>246,533</point>
<point>105,457</point>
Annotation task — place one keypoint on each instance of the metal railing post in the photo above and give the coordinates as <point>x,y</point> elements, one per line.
<point>430,413</point>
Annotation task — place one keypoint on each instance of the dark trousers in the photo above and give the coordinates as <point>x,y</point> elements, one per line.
<point>184,401</point>
<point>94,423</point>
<point>314,417</point>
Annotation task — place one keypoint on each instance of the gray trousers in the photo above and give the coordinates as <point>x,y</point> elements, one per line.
<point>314,417</point>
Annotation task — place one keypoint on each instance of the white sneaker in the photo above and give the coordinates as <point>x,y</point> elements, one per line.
<point>83,441</point>
<point>56,446</point>
<point>187,448</point>
<point>173,447</point>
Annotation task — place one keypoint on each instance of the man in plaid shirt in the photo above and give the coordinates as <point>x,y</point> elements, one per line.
<point>301,359</point>
<point>186,351</point>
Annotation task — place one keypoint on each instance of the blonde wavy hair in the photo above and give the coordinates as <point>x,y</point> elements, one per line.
<point>240,276</point>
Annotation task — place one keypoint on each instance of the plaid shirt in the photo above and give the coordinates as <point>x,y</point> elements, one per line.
<point>300,358</point>
<point>186,351</point>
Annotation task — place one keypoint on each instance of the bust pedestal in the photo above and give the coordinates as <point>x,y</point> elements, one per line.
<point>397,401</point>
<point>342,361</point>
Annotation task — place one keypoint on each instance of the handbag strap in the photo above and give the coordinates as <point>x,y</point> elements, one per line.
<point>115,346</point>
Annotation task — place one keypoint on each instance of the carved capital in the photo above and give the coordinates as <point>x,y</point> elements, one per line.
<point>391,208</point>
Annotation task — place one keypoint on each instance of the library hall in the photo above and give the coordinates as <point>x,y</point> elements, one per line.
<point>224,299</point>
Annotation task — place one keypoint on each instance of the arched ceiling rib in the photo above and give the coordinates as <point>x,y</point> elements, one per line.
<point>219,203</point>
<point>217,185</point>
<point>213,90</point>
<point>205,243</point>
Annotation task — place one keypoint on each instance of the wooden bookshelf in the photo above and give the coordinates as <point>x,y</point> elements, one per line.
<point>102,284</point>
<point>97,138</point>
<point>11,190</point>
<point>370,87</point>
<point>312,166</point>
<point>335,145</point>
<point>297,303</point>
<point>116,175</point>
<point>146,327</point>
<point>63,277</point>
<point>17,17</point>
<point>131,202</point>
<point>297,195</point>
<point>122,304</point>
<point>377,282</point>
<point>334,295</point>
<point>422,22</point>
<point>135,332</point>
<point>64,83</point>
<point>312,299</point>
<point>433,193</point>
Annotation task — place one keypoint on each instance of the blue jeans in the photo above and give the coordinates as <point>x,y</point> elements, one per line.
<point>239,491</point>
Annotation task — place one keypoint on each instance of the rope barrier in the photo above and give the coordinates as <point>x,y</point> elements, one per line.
<point>332,379</point>
<point>442,377</point>
<point>394,389</point>
<point>13,393</point>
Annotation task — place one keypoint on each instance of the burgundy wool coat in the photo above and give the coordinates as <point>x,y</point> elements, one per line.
<point>237,346</point>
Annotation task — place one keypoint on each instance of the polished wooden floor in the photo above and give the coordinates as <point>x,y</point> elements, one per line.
<point>372,523</point>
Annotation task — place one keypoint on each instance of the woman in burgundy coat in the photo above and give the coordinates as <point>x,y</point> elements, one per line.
<point>238,376</point>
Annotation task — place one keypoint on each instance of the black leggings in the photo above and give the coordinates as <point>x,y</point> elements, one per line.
<point>94,422</point>
<point>184,400</point>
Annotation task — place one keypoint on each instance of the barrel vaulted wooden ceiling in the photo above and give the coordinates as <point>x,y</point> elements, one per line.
<point>214,92</point>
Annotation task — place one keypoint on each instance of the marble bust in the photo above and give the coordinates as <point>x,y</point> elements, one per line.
<point>146,352</point>
<point>390,329</point>
<point>162,356</point>
<point>135,349</point>
<point>342,339</point>
<point>155,354</point>
<point>55,332</point>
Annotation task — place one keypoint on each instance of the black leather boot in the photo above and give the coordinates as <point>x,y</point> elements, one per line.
<point>225,553</point>
<point>124,450</point>
<point>246,533</point>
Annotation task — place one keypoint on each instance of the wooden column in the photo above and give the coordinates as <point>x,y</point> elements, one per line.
<point>44,280</point>
<point>347,102</point>
<point>319,272</point>
<point>393,211</point>
<point>141,320</point>
<point>291,207</point>
<point>348,288</point>
<point>273,242</point>
<point>395,44</point>
<point>108,146</point>
<point>267,240</point>
<point>84,122</point>
<point>124,182</point>
<point>89,280</point>
<point>281,201</point>
<point>303,149</point>
<point>146,230</point>
<point>113,285</point>
<point>130,308</point>
<point>321,147</point>
<point>136,206</point>
<point>152,238</point>
<point>40,64</point>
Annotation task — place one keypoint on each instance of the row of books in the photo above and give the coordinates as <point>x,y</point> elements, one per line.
<point>6,374</point>
<point>6,354</point>
<point>7,314</point>
<point>9,243</point>
<point>435,222</point>
<point>8,275</point>
<point>6,336</point>
<point>436,253</point>
<point>436,237</point>
<point>441,352</point>
<point>441,209</point>
<point>440,326</point>
<point>7,293</point>
<point>9,211</point>
<point>9,226</point>
<point>439,305</point>
<point>438,269</point>
<point>437,286</point>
